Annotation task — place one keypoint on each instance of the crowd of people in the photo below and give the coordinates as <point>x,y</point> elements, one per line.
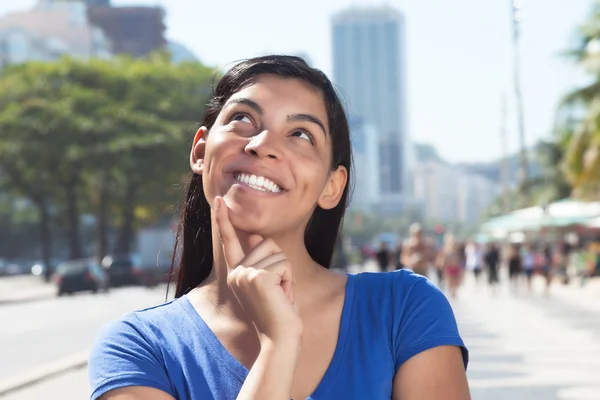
<point>453,259</point>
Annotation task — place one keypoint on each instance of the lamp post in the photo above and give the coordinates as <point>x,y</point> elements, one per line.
<point>517,18</point>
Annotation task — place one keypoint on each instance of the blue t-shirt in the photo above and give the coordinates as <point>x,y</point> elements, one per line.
<point>387,318</point>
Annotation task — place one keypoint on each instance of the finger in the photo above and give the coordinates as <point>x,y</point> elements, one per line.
<point>269,260</point>
<point>283,271</point>
<point>264,249</point>
<point>231,244</point>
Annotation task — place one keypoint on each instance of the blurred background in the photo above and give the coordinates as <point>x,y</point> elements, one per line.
<point>477,120</point>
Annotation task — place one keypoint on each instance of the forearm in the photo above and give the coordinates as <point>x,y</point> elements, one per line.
<point>272,374</point>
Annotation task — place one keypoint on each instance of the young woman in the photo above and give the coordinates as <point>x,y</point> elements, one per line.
<point>257,314</point>
<point>450,260</point>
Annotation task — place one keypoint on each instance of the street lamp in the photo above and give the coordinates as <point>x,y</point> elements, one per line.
<point>517,14</point>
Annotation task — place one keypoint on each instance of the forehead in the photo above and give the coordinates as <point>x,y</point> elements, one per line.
<point>291,95</point>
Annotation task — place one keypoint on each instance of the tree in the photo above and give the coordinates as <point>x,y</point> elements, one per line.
<point>101,137</point>
<point>579,114</point>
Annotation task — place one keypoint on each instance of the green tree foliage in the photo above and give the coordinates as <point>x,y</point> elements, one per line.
<point>579,116</point>
<point>108,138</point>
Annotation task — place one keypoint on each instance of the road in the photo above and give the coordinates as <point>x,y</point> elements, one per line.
<point>524,346</point>
<point>37,333</point>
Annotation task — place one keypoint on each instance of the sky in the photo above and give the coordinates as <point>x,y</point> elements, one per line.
<point>459,57</point>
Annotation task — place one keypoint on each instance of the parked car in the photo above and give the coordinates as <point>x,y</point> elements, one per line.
<point>121,270</point>
<point>79,276</point>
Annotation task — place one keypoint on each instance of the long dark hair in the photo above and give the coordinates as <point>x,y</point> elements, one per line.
<point>194,238</point>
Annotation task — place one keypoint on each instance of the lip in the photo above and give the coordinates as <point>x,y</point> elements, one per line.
<point>270,175</point>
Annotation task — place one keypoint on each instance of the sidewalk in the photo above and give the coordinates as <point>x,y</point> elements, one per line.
<point>24,288</point>
<point>530,346</point>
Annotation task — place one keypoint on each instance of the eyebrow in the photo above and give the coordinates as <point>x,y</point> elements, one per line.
<point>291,118</point>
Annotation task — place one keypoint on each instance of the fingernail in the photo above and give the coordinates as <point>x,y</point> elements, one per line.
<point>217,203</point>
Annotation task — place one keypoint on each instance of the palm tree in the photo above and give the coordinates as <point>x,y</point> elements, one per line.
<point>579,114</point>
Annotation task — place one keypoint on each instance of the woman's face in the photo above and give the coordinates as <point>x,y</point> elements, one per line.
<point>269,156</point>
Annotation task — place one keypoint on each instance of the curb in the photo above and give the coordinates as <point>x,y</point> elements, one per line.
<point>30,299</point>
<point>36,375</point>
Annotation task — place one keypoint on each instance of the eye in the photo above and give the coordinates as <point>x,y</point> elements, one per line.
<point>240,117</point>
<point>303,135</point>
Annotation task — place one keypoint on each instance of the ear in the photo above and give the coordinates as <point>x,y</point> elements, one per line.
<point>334,189</point>
<point>198,149</point>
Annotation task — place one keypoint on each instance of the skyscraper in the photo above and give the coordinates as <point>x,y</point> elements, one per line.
<point>369,68</point>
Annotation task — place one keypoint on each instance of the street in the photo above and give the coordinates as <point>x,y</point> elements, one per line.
<point>523,346</point>
<point>39,333</point>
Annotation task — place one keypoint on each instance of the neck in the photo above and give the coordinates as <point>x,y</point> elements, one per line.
<point>304,269</point>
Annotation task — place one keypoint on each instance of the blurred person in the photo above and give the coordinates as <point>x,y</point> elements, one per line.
<point>383,257</point>
<point>515,265</point>
<point>529,259</point>
<point>257,313</point>
<point>474,259</point>
<point>548,267</point>
<point>491,259</point>
<point>398,256</point>
<point>416,251</point>
<point>449,258</point>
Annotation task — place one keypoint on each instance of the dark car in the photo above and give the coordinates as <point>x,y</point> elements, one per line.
<point>80,276</point>
<point>121,270</point>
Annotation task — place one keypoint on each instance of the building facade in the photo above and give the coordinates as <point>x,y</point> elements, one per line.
<point>451,194</point>
<point>49,31</point>
<point>136,31</point>
<point>369,68</point>
<point>365,189</point>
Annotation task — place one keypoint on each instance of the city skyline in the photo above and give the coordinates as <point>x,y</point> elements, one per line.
<point>458,57</point>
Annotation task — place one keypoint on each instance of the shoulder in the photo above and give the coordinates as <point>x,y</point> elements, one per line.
<point>415,311</point>
<point>130,351</point>
<point>397,283</point>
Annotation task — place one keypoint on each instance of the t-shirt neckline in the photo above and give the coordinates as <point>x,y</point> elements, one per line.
<point>225,358</point>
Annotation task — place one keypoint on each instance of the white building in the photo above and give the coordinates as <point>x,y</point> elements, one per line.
<point>369,67</point>
<point>365,196</point>
<point>49,31</point>
<point>452,194</point>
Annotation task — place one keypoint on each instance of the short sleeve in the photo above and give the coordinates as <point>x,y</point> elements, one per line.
<point>123,356</point>
<point>423,320</point>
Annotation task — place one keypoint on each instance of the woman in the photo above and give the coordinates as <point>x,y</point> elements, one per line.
<point>450,260</point>
<point>258,315</point>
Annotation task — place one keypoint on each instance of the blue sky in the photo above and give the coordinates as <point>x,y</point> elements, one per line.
<point>459,56</point>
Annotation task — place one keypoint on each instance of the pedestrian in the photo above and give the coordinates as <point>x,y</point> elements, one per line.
<point>530,260</point>
<point>449,258</point>
<point>417,252</point>
<point>515,266</point>
<point>473,259</point>
<point>398,256</point>
<point>383,257</point>
<point>492,259</point>
<point>257,313</point>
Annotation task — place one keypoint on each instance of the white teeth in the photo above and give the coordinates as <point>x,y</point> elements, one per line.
<point>258,182</point>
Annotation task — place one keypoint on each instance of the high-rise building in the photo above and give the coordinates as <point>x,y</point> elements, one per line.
<point>133,30</point>
<point>369,68</point>
<point>365,195</point>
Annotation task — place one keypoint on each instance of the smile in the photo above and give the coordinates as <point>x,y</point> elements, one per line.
<point>257,182</point>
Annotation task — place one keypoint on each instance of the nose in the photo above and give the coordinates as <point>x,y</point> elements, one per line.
<point>264,145</point>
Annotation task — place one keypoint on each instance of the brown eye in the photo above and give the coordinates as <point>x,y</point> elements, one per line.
<point>303,135</point>
<point>241,118</point>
